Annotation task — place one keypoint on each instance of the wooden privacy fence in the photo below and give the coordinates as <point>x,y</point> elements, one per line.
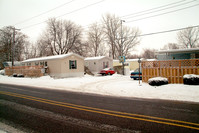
<point>174,70</point>
<point>29,71</point>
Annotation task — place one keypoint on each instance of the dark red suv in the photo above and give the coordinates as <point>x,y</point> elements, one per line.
<point>107,71</point>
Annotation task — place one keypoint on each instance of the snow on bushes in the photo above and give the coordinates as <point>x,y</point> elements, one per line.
<point>191,79</point>
<point>17,75</point>
<point>157,81</point>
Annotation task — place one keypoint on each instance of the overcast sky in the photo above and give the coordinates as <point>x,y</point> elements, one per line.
<point>168,15</point>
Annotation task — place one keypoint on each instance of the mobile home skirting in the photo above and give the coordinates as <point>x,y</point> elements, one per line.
<point>66,75</point>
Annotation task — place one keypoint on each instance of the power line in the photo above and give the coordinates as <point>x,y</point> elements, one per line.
<point>162,13</point>
<point>80,9</point>
<point>158,10</point>
<point>45,12</point>
<point>66,13</point>
<point>152,9</point>
<point>127,21</point>
<point>166,31</point>
<point>123,17</point>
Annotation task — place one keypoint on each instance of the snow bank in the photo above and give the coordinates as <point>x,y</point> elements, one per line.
<point>2,72</point>
<point>115,85</point>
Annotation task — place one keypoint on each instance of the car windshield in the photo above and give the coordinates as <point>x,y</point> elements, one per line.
<point>137,70</point>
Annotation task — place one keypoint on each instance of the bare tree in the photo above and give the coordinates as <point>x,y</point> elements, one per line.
<point>129,40</point>
<point>43,46</point>
<point>189,37</point>
<point>95,40</point>
<point>61,36</point>
<point>111,28</point>
<point>21,40</point>
<point>6,44</point>
<point>148,53</point>
<point>171,46</point>
<point>30,51</point>
<point>121,40</point>
<point>6,41</point>
<point>134,56</point>
<point>80,48</point>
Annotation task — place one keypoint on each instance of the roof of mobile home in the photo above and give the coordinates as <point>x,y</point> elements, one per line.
<point>96,58</point>
<point>179,50</point>
<point>52,57</point>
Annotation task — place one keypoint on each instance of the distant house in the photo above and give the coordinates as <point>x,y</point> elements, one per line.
<point>61,66</point>
<point>132,64</point>
<point>95,64</point>
<point>178,54</point>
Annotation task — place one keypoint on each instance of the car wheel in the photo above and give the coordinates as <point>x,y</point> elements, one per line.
<point>109,73</point>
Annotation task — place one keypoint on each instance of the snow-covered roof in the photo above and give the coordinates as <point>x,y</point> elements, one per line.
<point>179,50</point>
<point>95,58</point>
<point>151,59</point>
<point>52,57</point>
<point>131,60</point>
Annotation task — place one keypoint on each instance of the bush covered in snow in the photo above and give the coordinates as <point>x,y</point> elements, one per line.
<point>20,75</point>
<point>14,75</point>
<point>17,75</point>
<point>157,81</point>
<point>191,79</point>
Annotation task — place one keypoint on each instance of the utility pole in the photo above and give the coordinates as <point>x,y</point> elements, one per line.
<point>139,61</point>
<point>122,46</point>
<point>13,45</point>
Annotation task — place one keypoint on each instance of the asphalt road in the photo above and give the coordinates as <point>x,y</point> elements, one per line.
<point>48,110</point>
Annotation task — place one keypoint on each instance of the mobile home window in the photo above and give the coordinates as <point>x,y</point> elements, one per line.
<point>107,64</point>
<point>196,56</point>
<point>104,66</point>
<point>46,64</point>
<point>28,64</point>
<point>72,64</point>
<point>41,63</point>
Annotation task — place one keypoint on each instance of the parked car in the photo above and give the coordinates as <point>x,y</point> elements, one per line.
<point>107,71</point>
<point>135,74</point>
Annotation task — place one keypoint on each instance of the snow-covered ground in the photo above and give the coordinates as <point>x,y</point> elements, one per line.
<point>115,85</point>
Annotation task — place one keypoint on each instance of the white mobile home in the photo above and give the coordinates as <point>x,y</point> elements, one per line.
<point>61,66</point>
<point>95,64</point>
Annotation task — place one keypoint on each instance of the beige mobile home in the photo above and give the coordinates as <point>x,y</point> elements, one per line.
<point>130,64</point>
<point>60,66</point>
<point>96,64</point>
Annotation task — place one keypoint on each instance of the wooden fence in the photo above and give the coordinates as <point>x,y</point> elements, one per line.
<point>174,70</point>
<point>29,71</point>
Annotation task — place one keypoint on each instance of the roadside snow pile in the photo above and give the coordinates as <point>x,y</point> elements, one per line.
<point>157,81</point>
<point>115,85</point>
<point>2,72</point>
<point>191,79</point>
